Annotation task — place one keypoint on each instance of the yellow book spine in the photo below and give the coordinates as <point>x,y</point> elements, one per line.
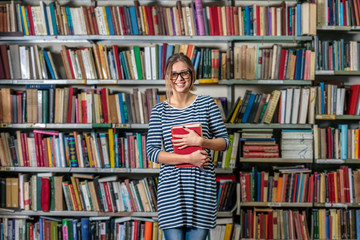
<point>49,151</point>
<point>103,61</point>
<point>106,22</point>
<point>25,21</point>
<point>335,184</point>
<point>111,148</point>
<point>320,219</point>
<point>92,164</point>
<point>356,143</point>
<point>145,22</point>
<point>77,196</point>
<point>228,230</point>
<point>235,112</point>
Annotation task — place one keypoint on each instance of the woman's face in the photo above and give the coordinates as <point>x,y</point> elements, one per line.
<point>180,77</point>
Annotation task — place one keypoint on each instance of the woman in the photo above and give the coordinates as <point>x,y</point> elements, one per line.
<point>186,196</point>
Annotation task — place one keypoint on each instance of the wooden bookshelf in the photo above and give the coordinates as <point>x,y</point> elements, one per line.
<point>275,204</point>
<point>275,160</point>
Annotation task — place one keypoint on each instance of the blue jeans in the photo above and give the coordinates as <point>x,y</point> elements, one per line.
<point>184,233</point>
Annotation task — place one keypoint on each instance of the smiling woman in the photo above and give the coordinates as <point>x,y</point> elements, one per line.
<point>186,195</point>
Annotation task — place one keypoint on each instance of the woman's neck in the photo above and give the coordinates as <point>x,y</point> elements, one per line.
<point>182,100</point>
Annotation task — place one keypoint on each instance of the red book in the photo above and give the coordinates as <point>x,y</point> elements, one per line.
<point>143,146</point>
<point>37,149</point>
<point>344,12</point>
<point>73,197</point>
<point>283,18</point>
<point>219,18</point>
<point>211,22</point>
<point>257,20</point>
<point>260,154</point>
<point>354,95</point>
<point>232,25</point>
<point>24,147</point>
<point>108,197</point>
<point>70,63</point>
<point>261,148</point>
<point>5,69</point>
<point>45,153</point>
<point>45,194</point>
<point>346,183</point>
<point>136,229</point>
<point>305,188</point>
<point>248,187</point>
<point>295,184</point>
<point>104,94</point>
<point>270,235</point>
<point>179,130</point>
<point>261,225</point>
<point>31,20</point>
<point>71,92</point>
<point>84,111</point>
<point>131,151</point>
<point>93,16</point>
<point>149,20</point>
<point>117,61</point>
<point>123,21</point>
<point>228,23</point>
<point>282,64</point>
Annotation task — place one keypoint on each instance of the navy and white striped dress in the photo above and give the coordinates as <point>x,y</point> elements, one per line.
<point>186,196</point>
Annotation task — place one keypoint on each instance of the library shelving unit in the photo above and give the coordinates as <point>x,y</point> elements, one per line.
<point>232,86</point>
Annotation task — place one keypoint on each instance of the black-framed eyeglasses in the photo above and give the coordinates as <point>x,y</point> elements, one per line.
<point>186,75</point>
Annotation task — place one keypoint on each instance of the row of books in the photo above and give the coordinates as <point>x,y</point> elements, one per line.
<point>334,100</point>
<point>336,223</point>
<point>192,20</point>
<point>274,224</point>
<point>79,192</point>
<point>338,186</point>
<point>47,104</point>
<point>337,143</point>
<point>86,150</point>
<point>259,143</point>
<point>226,198</point>
<point>225,230</point>
<point>338,55</point>
<point>292,105</point>
<point>288,187</point>
<point>81,228</point>
<point>278,62</point>
<point>338,13</point>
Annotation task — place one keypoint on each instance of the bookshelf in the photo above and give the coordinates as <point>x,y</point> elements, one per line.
<point>231,85</point>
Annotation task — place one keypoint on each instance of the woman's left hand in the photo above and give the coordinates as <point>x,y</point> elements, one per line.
<point>186,140</point>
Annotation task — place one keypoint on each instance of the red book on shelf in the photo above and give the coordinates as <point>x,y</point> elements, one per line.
<point>295,184</point>
<point>96,29</point>
<point>257,20</point>
<point>71,92</point>
<point>108,197</point>
<point>219,20</point>
<point>123,21</point>
<point>45,194</point>
<point>282,64</point>
<point>4,66</point>
<point>270,236</point>
<point>31,21</point>
<point>179,130</point>
<point>354,95</point>
<point>104,95</point>
<point>149,20</point>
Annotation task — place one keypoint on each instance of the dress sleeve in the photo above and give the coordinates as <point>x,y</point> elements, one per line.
<point>217,126</point>
<point>154,137</point>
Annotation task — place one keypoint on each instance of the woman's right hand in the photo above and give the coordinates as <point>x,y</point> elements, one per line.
<point>199,158</point>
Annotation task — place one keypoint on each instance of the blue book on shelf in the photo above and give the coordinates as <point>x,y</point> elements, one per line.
<point>357,225</point>
<point>322,87</point>
<point>290,21</point>
<point>116,142</point>
<point>70,23</point>
<point>27,20</point>
<point>85,229</point>
<point>160,61</point>
<point>344,140</point>
<point>298,64</point>
<point>298,19</point>
<point>74,222</point>
<point>258,194</point>
<point>48,64</point>
<point>22,20</point>
<point>327,228</point>
<point>134,23</point>
<point>297,187</point>
<point>41,230</point>
<point>53,18</point>
<point>169,51</point>
<point>248,108</point>
<point>46,20</point>
<point>302,64</point>
<point>330,4</point>
<point>138,139</point>
<point>341,15</point>
<point>254,183</point>
<point>110,23</point>
<point>197,60</point>
<point>15,116</point>
<point>342,44</point>
<point>302,187</point>
<point>247,19</point>
<point>122,110</point>
<point>122,59</point>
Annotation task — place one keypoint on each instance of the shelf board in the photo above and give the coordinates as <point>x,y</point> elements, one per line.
<point>337,205</point>
<point>50,81</point>
<point>264,125</point>
<point>334,28</point>
<point>275,160</point>
<point>336,73</point>
<point>275,204</point>
<point>337,161</point>
<point>337,117</point>
<point>97,170</point>
<point>92,214</point>
<point>266,81</point>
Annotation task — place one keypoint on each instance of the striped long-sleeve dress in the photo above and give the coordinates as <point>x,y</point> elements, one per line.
<point>186,196</point>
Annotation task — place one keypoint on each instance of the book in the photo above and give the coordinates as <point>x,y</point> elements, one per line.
<point>179,130</point>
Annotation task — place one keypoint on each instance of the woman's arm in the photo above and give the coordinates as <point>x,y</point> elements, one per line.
<point>198,158</point>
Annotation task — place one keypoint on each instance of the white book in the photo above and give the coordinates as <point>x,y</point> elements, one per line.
<point>105,150</point>
<point>89,105</point>
<point>86,196</point>
<point>137,200</point>
<point>142,19</point>
<point>141,110</point>
<point>148,63</point>
<point>278,22</point>
<point>295,105</point>
<point>103,196</point>
<point>297,135</point>
<point>39,70</point>
<point>305,92</point>
<point>79,144</point>
<point>83,30</point>
<point>312,102</point>
<point>137,160</point>
<point>39,106</point>
<point>241,27</point>
<point>338,101</point>
<point>96,149</point>
<point>118,107</point>
<point>35,19</point>
<point>126,149</point>
<point>87,64</point>
<point>17,228</point>
<point>119,21</point>
<point>189,21</point>
<point>186,26</point>
<point>316,142</point>
<point>32,152</point>
<point>33,66</point>
<point>148,194</point>
<point>112,65</point>
<point>100,20</point>
<point>133,63</point>
<point>289,97</point>
<point>153,65</point>
<point>62,149</point>
<point>351,185</point>
<point>51,29</point>
<point>234,150</point>
<point>283,106</point>
<point>126,198</point>
<point>118,197</point>
<point>342,100</point>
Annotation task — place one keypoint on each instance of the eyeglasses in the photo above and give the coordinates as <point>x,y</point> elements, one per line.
<point>186,75</point>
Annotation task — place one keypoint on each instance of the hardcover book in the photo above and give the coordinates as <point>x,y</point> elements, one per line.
<point>179,130</point>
